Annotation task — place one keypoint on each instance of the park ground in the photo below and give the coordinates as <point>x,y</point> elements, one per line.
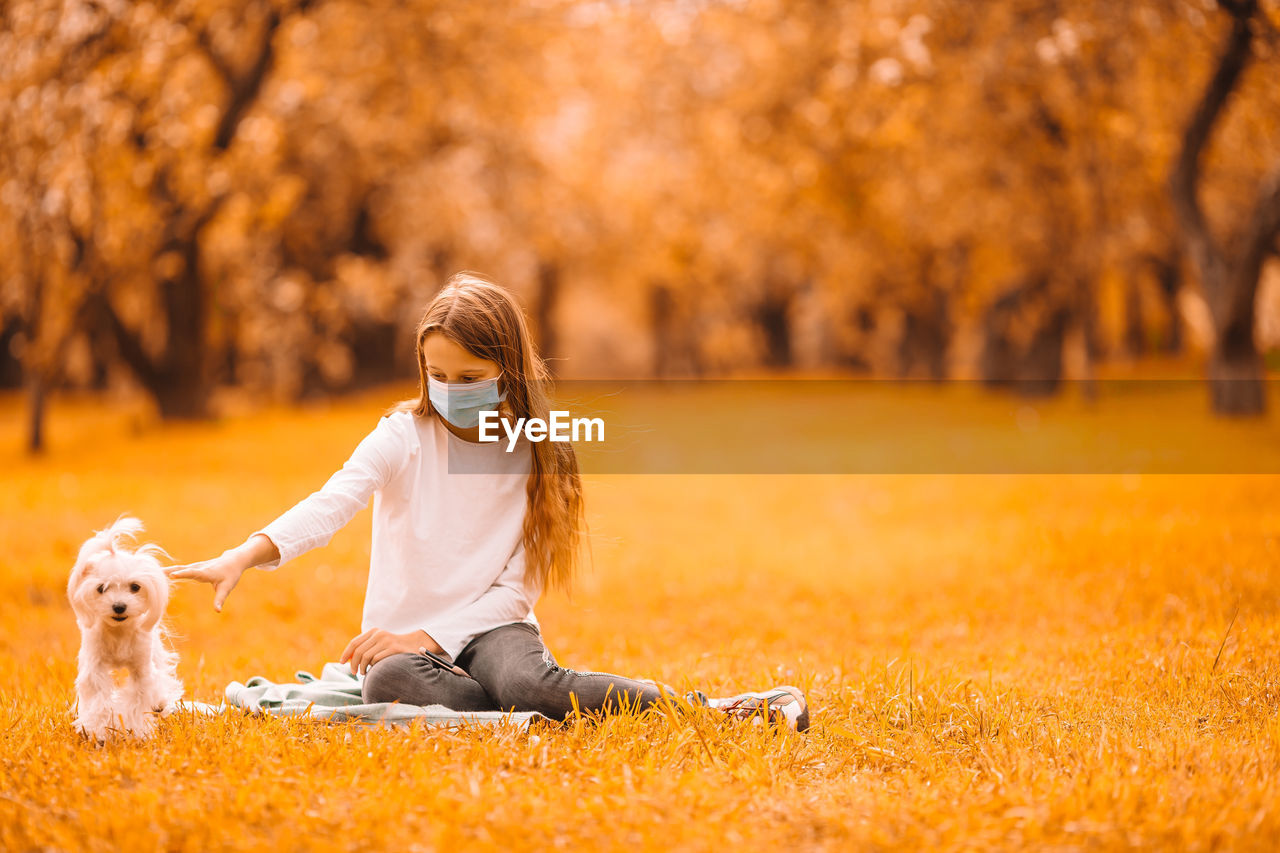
<point>992,661</point>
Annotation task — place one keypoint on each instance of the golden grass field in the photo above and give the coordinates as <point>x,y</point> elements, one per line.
<point>992,662</point>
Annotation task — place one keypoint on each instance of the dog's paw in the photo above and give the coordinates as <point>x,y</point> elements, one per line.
<point>139,722</point>
<point>94,724</point>
<point>95,734</point>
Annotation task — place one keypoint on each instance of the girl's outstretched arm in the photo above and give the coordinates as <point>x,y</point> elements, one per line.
<point>312,521</point>
<point>224,571</point>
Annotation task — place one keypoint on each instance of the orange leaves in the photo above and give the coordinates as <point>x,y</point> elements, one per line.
<point>699,148</point>
<point>281,200</point>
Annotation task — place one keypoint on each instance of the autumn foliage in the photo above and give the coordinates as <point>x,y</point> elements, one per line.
<point>261,195</point>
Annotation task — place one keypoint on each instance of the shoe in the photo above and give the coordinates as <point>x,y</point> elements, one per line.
<point>782,706</point>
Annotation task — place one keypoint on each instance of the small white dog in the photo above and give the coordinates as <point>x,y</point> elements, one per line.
<point>119,595</point>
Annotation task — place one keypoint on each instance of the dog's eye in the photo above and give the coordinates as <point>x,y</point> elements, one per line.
<point>133,587</point>
<point>102,588</point>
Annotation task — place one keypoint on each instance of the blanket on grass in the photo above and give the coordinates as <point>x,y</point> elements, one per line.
<point>336,697</point>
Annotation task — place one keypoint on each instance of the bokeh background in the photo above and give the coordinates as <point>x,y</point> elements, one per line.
<point>1032,597</point>
<point>202,201</point>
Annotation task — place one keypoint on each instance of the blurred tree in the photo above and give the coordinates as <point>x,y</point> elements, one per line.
<point>123,118</point>
<point>265,193</point>
<point>1229,273</point>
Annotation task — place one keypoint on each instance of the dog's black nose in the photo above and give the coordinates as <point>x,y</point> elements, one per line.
<point>119,608</point>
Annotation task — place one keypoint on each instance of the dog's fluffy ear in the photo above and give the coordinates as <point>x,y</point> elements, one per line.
<point>156,582</point>
<point>78,590</point>
<point>157,586</point>
<point>78,573</point>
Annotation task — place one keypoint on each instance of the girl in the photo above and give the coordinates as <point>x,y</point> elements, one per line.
<point>466,534</point>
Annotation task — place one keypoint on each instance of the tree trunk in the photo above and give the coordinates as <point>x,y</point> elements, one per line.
<point>661,317</point>
<point>182,399</point>
<point>1229,278</point>
<point>35,414</point>
<point>1235,369</point>
<point>1235,372</point>
<point>12,339</point>
<point>926,336</point>
<point>1086,310</point>
<point>178,381</point>
<point>1034,369</point>
<point>1135,326</point>
<point>1040,368</point>
<point>1169,277</point>
<point>548,300</point>
<point>998,360</point>
<point>182,386</point>
<point>773,316</point>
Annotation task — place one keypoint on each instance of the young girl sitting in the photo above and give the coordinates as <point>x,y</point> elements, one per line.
<point>466,534</point>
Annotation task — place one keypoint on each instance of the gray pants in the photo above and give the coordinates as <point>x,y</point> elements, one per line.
<point>511,670</point>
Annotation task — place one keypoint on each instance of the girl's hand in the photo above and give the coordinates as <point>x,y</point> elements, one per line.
<point>223,572</point>
<point>375,644</point>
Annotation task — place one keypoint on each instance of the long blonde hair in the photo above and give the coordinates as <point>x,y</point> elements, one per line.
<point>485,320</point>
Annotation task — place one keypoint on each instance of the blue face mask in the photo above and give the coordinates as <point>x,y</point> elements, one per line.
<point>461,403</point>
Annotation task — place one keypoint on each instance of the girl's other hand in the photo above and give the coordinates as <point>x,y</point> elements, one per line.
<point>223,572</point>
<point>375,644</point>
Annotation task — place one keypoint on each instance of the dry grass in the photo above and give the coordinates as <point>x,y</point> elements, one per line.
<point>992,662</point>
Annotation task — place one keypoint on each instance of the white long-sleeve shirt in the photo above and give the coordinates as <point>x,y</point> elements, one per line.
<point>448,549</point>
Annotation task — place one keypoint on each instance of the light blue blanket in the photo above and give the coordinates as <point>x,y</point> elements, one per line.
<point>335,697</point>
